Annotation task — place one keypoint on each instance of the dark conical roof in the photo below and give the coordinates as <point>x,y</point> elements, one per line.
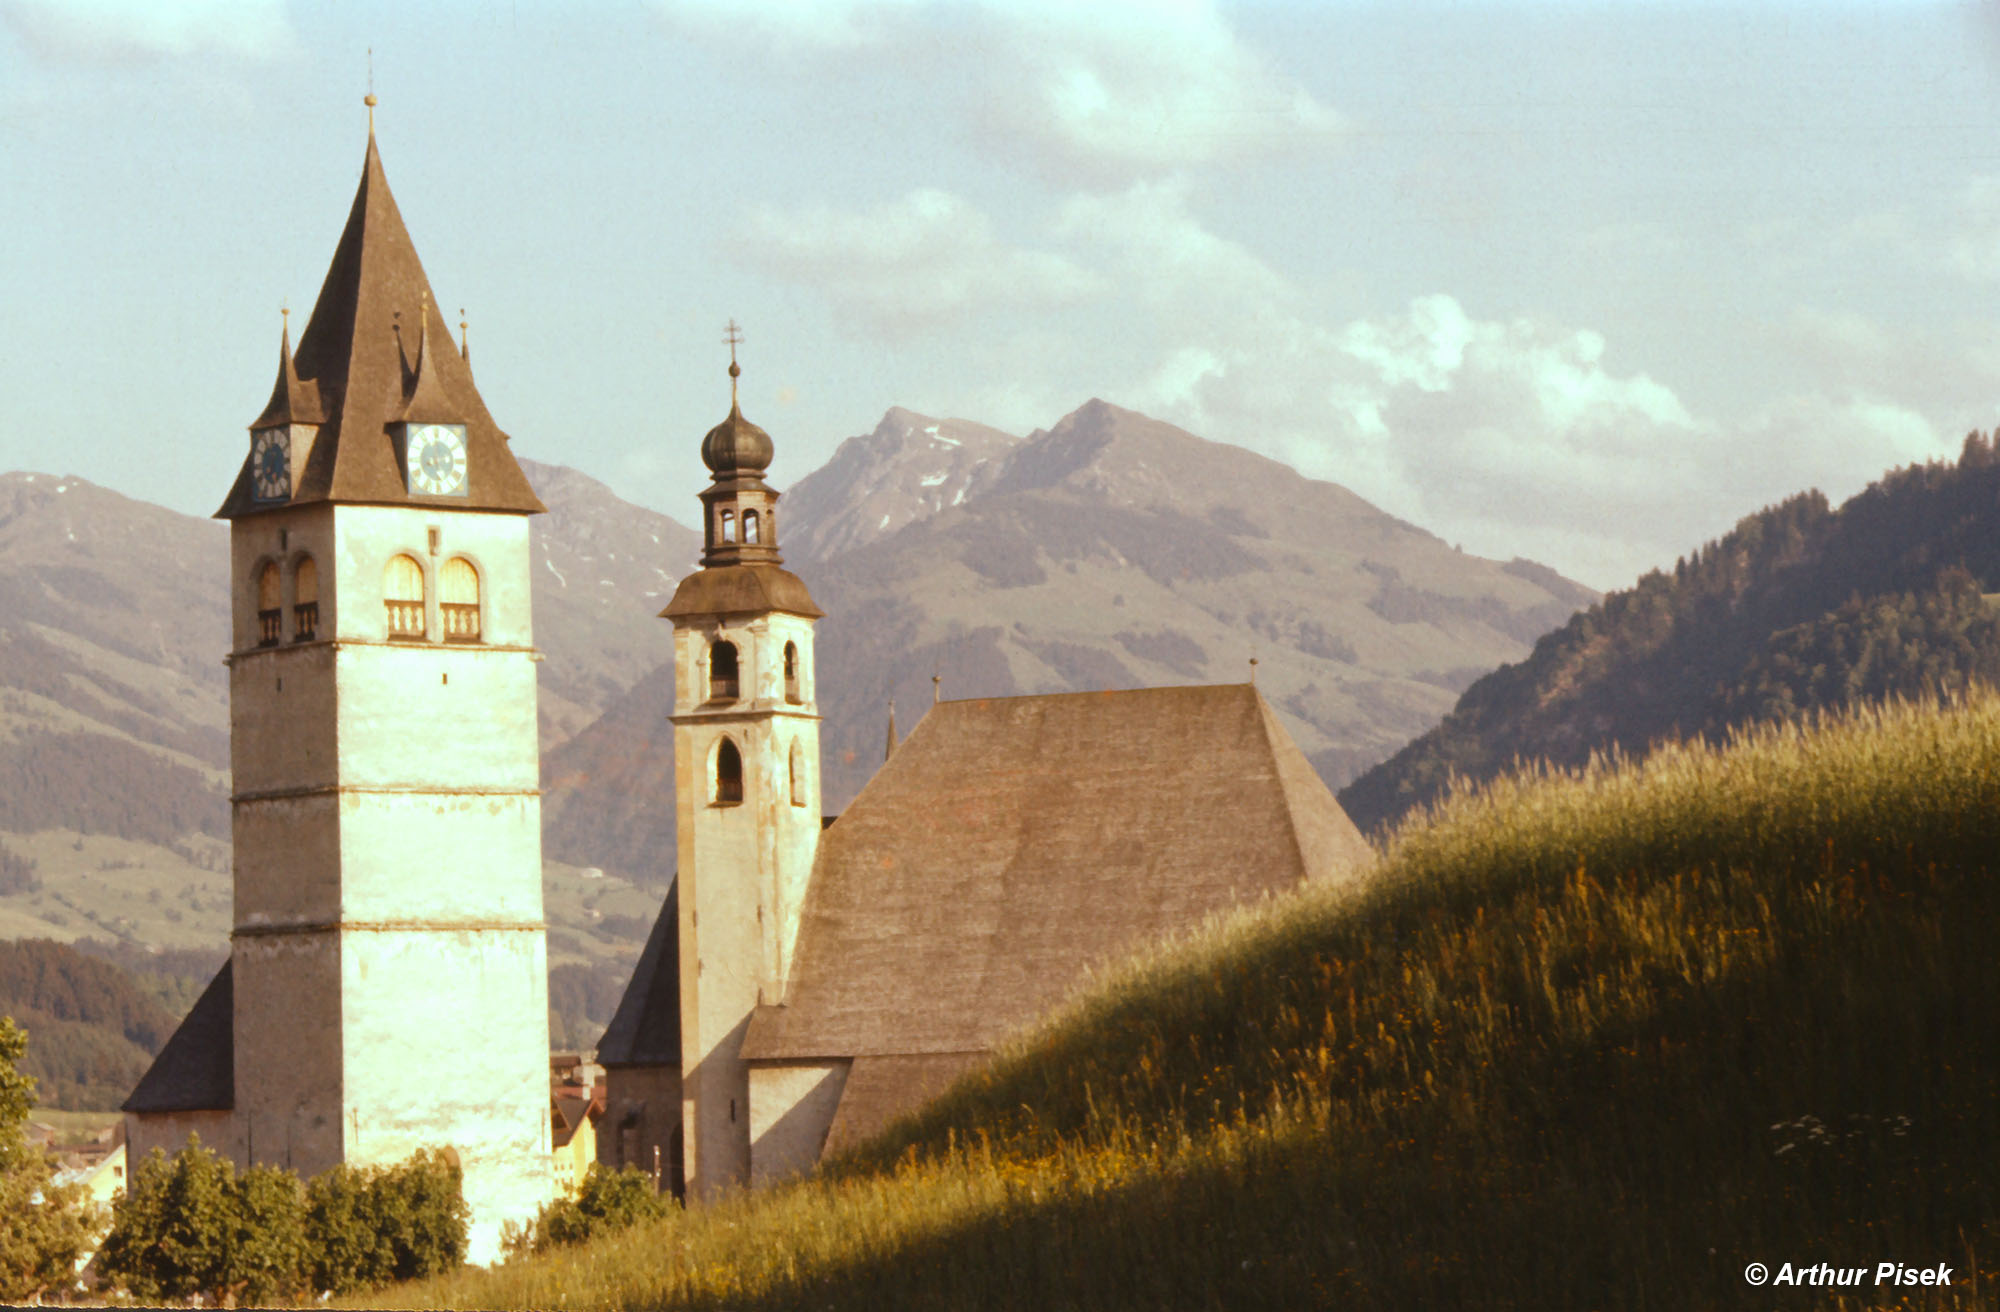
<point>736,446</point>
<point>363,353</point>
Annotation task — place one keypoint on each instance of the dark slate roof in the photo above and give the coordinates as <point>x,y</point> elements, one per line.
<point>879,1089</point>
<point>360,357</point>
<point>196,1071</point>
<point>741,589</point>
<point>1010,843</point>
<point>646,1028</point>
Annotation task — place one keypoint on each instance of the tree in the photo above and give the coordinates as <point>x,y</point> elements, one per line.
<point>608,1201</point>
<point>372,1226</point>
<point>191,1225</point>
<point>44,1228</point>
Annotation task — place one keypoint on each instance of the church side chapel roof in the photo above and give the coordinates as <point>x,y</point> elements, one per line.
<point>196,1070</point>
<point>1012,842</point>
<point>646,1028</point>
<point>376,346</point>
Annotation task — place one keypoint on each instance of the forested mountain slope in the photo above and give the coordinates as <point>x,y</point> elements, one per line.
<point>1801,607</point>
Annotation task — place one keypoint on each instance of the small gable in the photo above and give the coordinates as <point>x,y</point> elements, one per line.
<point>646,1028</point>
<point>196,1071</point>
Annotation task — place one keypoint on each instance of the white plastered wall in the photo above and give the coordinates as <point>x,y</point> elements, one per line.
<point>791,1110</point>
<point>743,868</point>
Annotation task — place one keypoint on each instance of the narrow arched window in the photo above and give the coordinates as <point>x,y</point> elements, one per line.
<point>795,769</point>
<point>458,600</point>
<point>749,526</point>
<point>270,605</point>
<point>403,595</point>
<point>728,774</point>
<point>728,526</point>
<point>305,600</point>
<point>792,673</point>
<point>722,680</point>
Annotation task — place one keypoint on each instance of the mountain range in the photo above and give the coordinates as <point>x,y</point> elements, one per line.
<point>1107,551</point>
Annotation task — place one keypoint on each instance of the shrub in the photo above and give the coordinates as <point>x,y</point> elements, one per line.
<point>376,1225</point>
<point>191,1225</point>
<point>608,1201</point>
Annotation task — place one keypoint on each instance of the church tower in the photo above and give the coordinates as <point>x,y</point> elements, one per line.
<point>746,777</point>
<point>387,983</point>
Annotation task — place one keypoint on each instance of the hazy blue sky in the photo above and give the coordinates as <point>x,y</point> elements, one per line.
<point>1580,282</point>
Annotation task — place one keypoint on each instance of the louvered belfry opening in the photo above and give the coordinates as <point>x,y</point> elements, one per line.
<point>305,600</point>
<point>270,606</point>
<point>458,600</point>
<point>792,673</point>
<point>728,774</point>
<point>722,672</point>
<point>403,597</point>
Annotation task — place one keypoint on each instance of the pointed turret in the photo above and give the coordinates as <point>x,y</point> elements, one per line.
<point>292,401</point>
<point>428,402</point>
<point>368,327</point>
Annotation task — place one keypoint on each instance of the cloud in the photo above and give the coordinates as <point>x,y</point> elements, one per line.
<point>910,265</point>
<point>1139,89</point>
<point>1149,238</point>
<point>1517,436</point>
<point>1104,92</point>
<point>145,31</point>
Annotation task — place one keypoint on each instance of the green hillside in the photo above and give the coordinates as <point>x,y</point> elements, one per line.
<point>1801,607</point>
<point>93,1029</point>
<point>1588,1041</point>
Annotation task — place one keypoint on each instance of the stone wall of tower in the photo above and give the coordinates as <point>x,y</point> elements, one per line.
<point>390,945</point>
<point>744,867</point>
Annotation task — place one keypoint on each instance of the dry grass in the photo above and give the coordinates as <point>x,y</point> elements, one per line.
<point>1591,1040</point>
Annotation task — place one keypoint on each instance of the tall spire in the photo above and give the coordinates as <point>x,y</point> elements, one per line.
<point>367,381</point>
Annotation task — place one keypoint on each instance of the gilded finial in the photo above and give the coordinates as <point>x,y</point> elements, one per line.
<point>937,684</point>
<point>464,353</point>
<point>369,99</point>
<point>1253,669</point>
<point>732,335</point>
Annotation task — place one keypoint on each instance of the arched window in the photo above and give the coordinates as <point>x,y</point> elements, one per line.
<point>792,673</point>
<point>728,526</point>
<point>749,526</point>
<point>728,774</point>
<point>270,605</point>
<point>458,600</point>
<point>403,594</point>
<point>305,600</point>
<point>795,768</point>
<point>722,680</point>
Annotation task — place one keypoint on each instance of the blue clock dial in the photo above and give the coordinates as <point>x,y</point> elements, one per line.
<point>270,465</point>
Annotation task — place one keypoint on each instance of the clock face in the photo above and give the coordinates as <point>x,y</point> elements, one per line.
<point>436,457</point>
<point>270,464</point>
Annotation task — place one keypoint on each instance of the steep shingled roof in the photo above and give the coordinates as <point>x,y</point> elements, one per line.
<point>1010,843</point>
<point>196,1071</point>
<point>646,1028</point>
<point>358,359</point>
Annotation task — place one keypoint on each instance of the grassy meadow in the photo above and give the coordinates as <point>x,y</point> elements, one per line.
<point>1587,1041</point>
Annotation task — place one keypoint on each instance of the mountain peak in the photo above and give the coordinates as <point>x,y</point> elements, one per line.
<point>910,467</point>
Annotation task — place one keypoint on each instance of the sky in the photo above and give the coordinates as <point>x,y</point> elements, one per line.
<point>1585,283</point>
